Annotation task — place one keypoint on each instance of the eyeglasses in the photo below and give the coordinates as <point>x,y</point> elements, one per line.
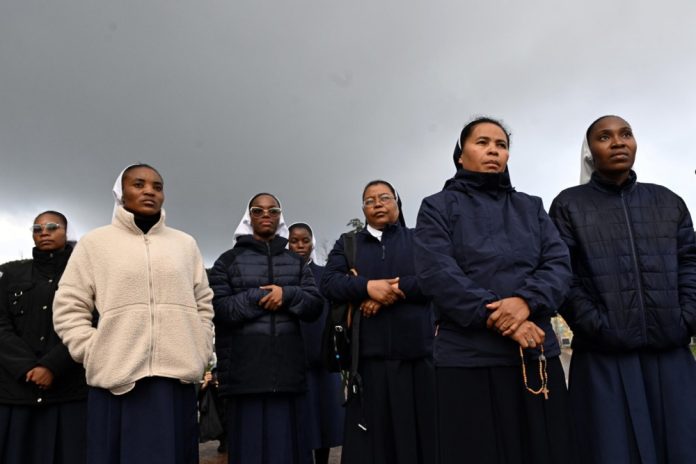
<point>49,226</point>
<point>383,198</point>
<point>258,212</point>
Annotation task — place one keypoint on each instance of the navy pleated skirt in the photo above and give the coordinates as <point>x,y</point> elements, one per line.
<point>267,429</point>
<point>155,423</point>
<point>398,411</point>
<point>485,416</point>
<point>325,409</point>
<point>635,408</point>
<point>54,434</point>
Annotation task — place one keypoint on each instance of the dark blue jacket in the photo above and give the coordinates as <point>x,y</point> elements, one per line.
<point>477,241</point>
<point>261,351</point>
<point>312,331</point>
<point>403,330</point>
<point>634,262</point>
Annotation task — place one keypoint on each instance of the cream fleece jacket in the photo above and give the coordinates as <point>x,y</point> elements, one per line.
<point>154,303</point>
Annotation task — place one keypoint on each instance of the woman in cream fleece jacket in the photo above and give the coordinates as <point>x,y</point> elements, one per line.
<point>154,333</point>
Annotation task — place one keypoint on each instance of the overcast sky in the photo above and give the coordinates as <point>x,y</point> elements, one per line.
<point>311,99</point>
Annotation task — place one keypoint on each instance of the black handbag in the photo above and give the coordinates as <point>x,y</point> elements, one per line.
<point>336,337</point>
<point>209,422</point>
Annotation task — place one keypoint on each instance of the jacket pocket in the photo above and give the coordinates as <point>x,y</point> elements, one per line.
<point>183,344</point>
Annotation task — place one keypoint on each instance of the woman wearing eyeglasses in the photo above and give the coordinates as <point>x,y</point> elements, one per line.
<point>497,270</point>
<point>154,338</point>
<point>42,390</point>
<point>262,292</point>
<point>391,420</point>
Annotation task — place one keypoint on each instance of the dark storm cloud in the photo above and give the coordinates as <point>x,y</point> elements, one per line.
<point>310,100</point>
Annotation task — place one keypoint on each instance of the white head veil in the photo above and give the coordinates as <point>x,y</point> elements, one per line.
<point>313,254</point>
<point>118,189</point>
<point>244,227</point>
<point>586,162</point>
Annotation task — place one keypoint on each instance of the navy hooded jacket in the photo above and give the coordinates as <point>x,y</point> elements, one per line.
<point>477,241</point>
<point>634,261</point>
<point>403,330</point>
<point>261,351</point>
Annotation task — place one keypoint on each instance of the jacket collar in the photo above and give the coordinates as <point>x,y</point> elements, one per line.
<point>601,184</point>
<point>277,245</point>
<point>494,184</point>
<point>126,220</point>
<point>52,259</point>
<point>390,229</point>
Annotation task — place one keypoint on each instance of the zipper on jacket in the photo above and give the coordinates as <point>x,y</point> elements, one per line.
<point>636,269</point>
<point>274,373</point>
<point>151,303</point>
<point>384,251</point>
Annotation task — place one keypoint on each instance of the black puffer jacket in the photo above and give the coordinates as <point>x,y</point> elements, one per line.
<point>261,351</point>
<point>27,338</point>
<point>634,264</point>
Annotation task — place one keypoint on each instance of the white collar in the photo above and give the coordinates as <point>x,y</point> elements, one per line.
<point>376,233</point>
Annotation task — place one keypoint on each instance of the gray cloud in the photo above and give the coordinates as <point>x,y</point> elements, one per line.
<point>312,99</point>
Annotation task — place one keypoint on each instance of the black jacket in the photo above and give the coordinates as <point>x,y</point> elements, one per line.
<point>261,351</point>
<point>27,338</point>
<point>477,241</point>
<point>403,330</point>
<point>634,263</point>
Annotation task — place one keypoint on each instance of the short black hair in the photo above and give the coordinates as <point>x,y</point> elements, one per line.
<point>301,225</point>
<point>380,182</point>
<point>466,132</point>
<point>596,121</point>
<point>135,166</point>
<point>262,194</point>
<point>55,213</point>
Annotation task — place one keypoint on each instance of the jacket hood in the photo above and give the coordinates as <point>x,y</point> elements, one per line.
<point>493,183</point>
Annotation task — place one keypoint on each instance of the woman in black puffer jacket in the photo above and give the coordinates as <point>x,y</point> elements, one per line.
<point>42,390</point>
<point>262,292</point>
<point>632,308</point>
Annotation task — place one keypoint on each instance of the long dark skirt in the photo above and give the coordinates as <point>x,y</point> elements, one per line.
<point>325,409</point>
<point>156,422</point>
<point>54,434</point>
<point>267,429</point>
<point>485,416</point>
<point>398,408</point>
<point>637,408</point>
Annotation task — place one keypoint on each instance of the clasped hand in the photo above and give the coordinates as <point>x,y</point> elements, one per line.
<point>41,376</point>
<point>273,300</point>
<point>509,318</point>
<point>383,292</point>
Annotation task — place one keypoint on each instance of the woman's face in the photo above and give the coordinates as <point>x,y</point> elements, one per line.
<point>49,240</point>
<point>265,217</point>
<point>379,206</point>
<point>143,191</point>
<point>613,146</point>
<point>485,149</point>
<point>300,242</point>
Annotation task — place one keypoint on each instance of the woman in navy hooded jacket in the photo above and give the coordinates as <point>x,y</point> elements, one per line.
<point>262,292</point>
<point>496,269</point>
<point>392,420</point>
<point>632,307</point>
